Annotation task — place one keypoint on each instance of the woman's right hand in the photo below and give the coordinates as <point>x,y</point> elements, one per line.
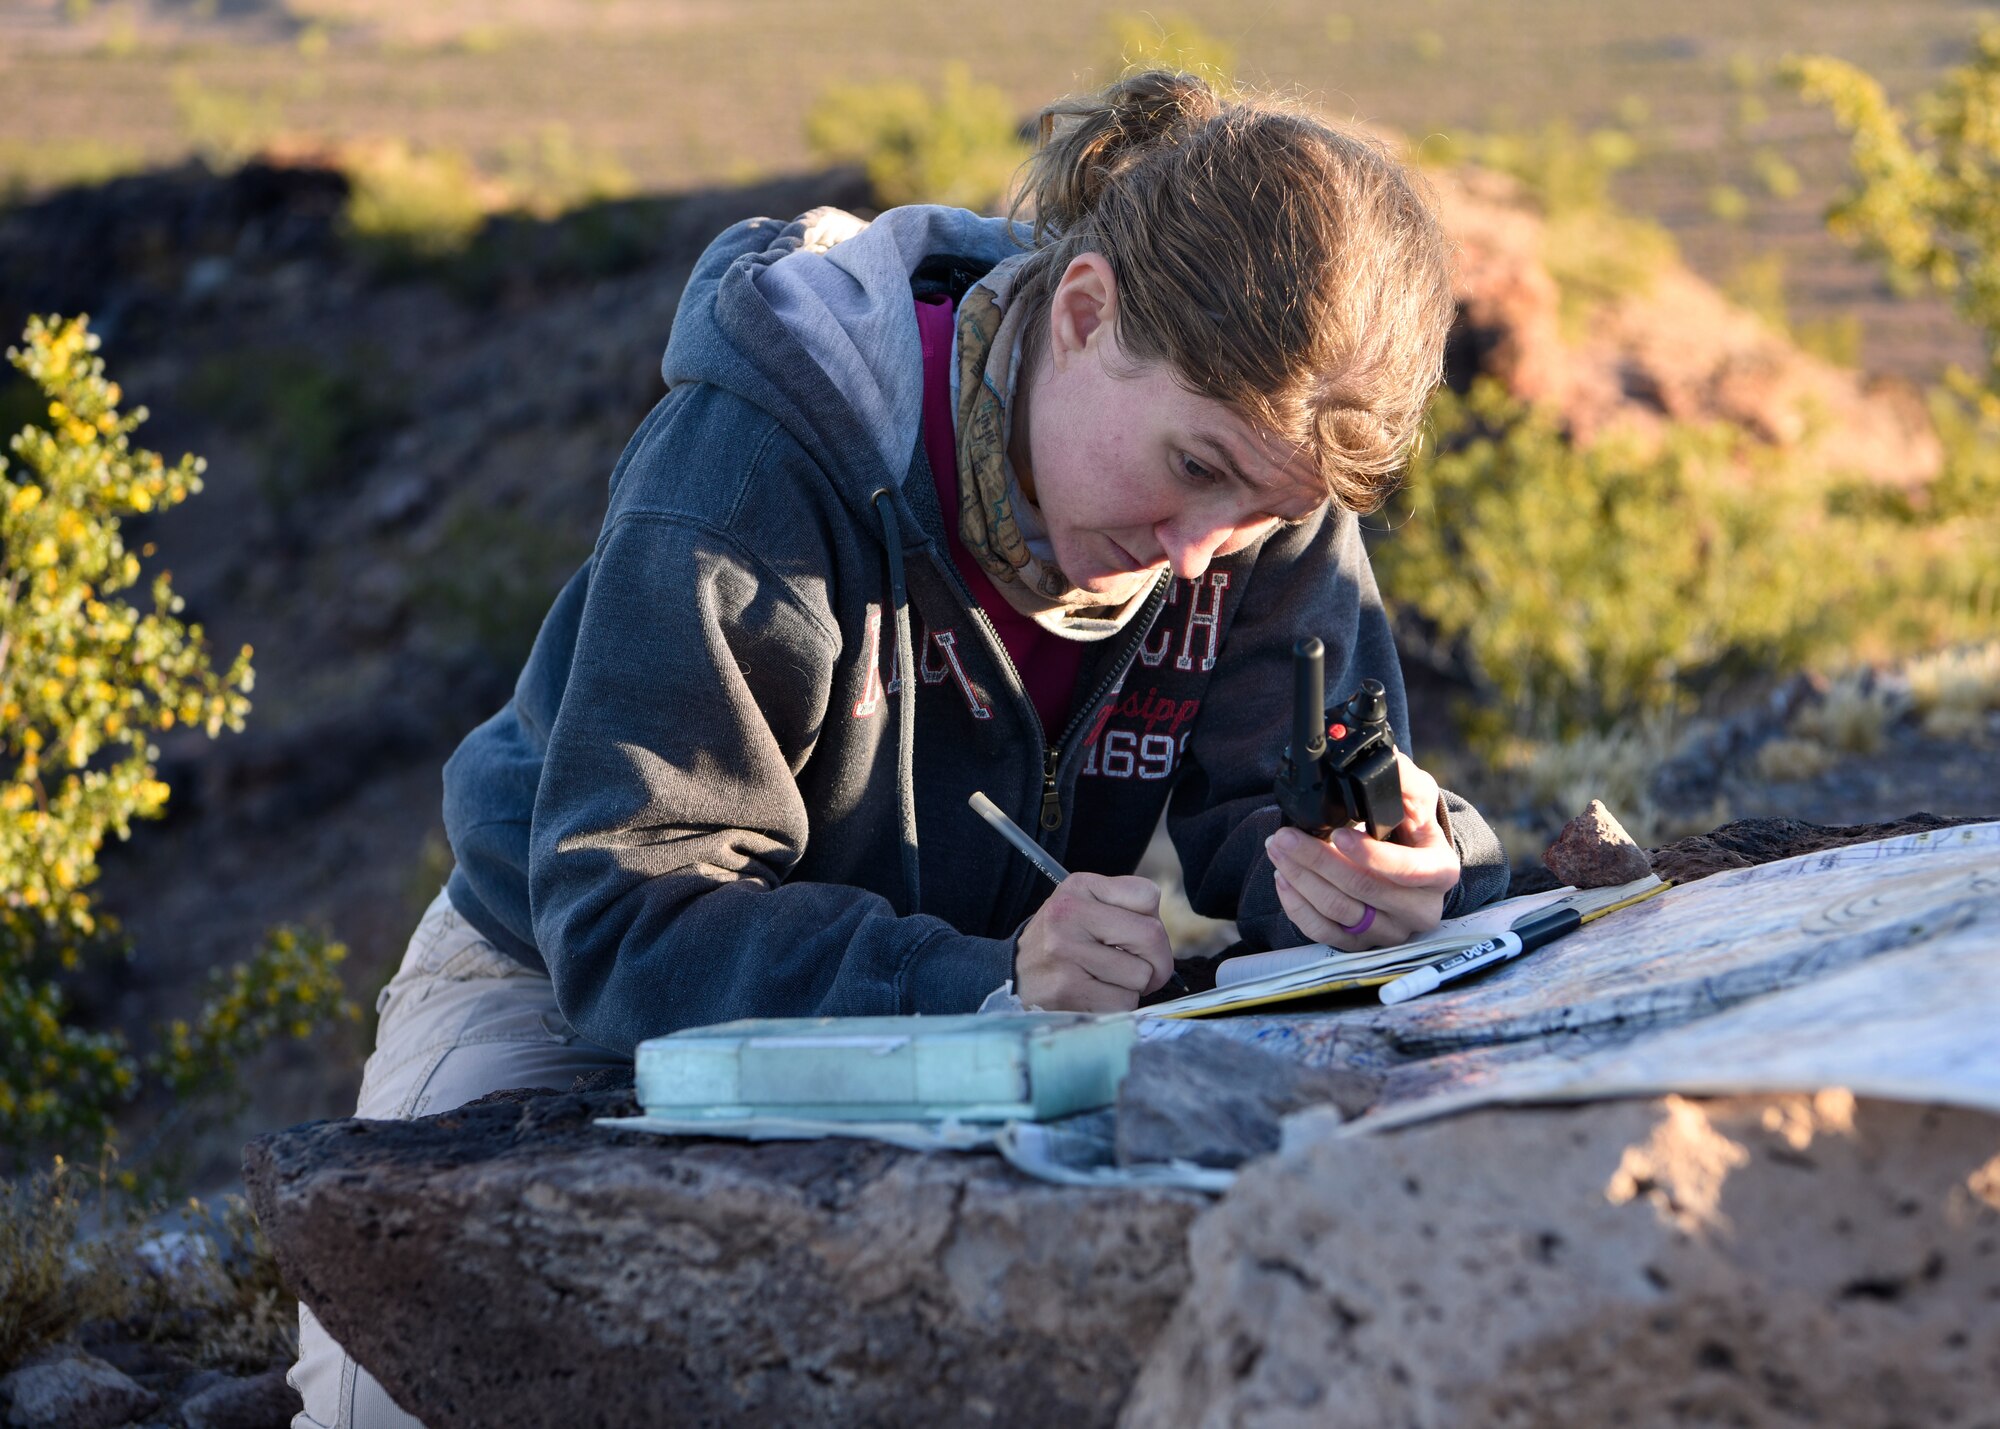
<point>1097,945</point>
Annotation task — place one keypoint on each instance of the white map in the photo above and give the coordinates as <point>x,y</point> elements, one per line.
<point>1874,967</point>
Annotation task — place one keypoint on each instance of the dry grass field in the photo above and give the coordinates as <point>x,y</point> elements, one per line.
<point>683,93</point>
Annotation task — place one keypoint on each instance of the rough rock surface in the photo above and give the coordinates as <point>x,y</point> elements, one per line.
<point>1594,851</point>
<point>1748,1261</point>
<point>691,1281</point>
<point>261,1401</point>
<point>65,1388</point>
<point>1660,1261</point>
<point>1674,350</point>
<point>1748,842</point>
<point>1218,1101</point>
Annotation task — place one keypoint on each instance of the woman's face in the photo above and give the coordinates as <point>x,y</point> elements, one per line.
<point>1132,471</point>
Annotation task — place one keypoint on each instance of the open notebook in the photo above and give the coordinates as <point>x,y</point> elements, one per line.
<point>1288,974</point>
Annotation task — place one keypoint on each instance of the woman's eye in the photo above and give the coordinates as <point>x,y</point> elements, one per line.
<point>1195,471</point>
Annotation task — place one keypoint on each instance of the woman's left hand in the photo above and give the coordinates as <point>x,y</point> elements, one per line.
<point>1326,883</point>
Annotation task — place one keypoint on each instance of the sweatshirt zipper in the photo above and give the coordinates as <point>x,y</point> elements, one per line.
<point>1051,815</point>
<point>1141,626</point>
<point>1051,795</point>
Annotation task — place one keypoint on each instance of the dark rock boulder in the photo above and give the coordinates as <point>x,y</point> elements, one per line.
<point>1215,1100</point>
<point>63,1387</point>
<point>505,1262</point>
<point>260,1401</point>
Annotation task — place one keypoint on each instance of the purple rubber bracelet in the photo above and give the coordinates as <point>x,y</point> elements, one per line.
<point>1367,918</point>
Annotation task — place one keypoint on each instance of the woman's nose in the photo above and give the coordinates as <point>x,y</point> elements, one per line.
<point>1189,547</point>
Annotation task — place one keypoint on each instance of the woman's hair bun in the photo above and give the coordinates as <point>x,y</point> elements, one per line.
<point>1086,143</point>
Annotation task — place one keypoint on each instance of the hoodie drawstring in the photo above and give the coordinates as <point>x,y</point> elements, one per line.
<point>884,502</point>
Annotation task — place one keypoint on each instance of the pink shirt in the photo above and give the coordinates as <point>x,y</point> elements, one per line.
<point>1048,664</point>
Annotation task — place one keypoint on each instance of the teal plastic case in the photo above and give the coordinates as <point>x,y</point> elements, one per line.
<point>995,1067</point>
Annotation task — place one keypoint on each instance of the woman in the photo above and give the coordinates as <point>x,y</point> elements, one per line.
<point>940,504</point>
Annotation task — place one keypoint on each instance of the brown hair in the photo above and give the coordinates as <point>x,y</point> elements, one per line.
<point>1290,269</point>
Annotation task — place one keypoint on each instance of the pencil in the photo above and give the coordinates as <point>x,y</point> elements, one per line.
<point>1011,831</point>
<point>1039,857</point>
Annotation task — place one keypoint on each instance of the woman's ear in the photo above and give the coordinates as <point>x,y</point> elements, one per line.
<point>1084,308</point>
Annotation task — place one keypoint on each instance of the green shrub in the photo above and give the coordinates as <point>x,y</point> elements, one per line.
<point>86,680</point>
<point>52,1280</point>
<point>1779,178</point>
<point>288,987</point>
<point>961,147</point>
<point>412,208</point>
<point>551,174</point>
<point>1923,194</point>
<point>29,167</point>
<point>1587,588</point>
<point>599,240</point>
<point>1758,284</point>
<point>225,127</point>
<point>222,1302</point>
<point>407,206</point>
<point>1853,716</point>
<point>1835,338</point>
<point>1956,691</point>
<point>1790,758</point>
<point>72,1252</point>
<point>1727,204</point>
<point>1534,786</point>
<point>1563,172</point>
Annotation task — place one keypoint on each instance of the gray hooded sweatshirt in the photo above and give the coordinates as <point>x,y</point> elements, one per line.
<point>732,779</point>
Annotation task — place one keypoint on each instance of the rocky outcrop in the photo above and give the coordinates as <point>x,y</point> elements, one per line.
<point>1673,1260</point>
<point>1773,1260</point>
<point>64,1387</point>
<point>500,1264</point>
<point>1756,1260</point>
<point>258,1401</point>
<point>1671,350</point>
<point>1748,842</point>
<point>1744,843</point>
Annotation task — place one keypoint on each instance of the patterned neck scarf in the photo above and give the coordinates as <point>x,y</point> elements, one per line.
<point>998,524</point>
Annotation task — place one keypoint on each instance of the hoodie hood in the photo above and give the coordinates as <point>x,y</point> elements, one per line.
<point>812,321</point>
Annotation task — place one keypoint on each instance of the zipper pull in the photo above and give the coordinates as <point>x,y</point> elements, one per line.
<point>1051,796</point>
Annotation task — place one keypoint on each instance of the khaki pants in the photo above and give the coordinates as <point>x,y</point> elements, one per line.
<point>458,1020</point>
